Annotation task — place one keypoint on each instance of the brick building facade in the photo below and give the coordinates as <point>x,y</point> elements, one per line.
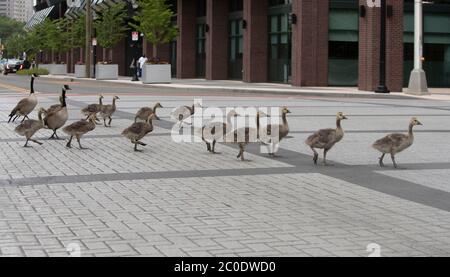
<point>301,42</point>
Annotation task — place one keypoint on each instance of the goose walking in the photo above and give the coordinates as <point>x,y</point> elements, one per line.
<point>395,143</point>
<point>145,112</point>
<point>107,111</point>
<point>26,105</point>
<point>57,115</point>
<point>216,131</point>
<point>272,134</point>
<point>29,127</point>
<point>93,108</point>
<point>326,138</point>
<point>182,113</point>
<point>138,131</point>
<point>243,136</point>
<point>80,128</point>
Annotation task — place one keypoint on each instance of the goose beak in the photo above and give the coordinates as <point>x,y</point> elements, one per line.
<point>419,123</point>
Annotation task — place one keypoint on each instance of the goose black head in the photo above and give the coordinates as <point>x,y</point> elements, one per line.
<point>66,87</point>
<point>34,75</point>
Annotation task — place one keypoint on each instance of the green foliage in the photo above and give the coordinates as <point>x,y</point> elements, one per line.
<point>154,20</point>
<point>56,35</point>
<point>111,26</point>
<point>10,26</point>
<point>38,71</point>
<point>77,30</point>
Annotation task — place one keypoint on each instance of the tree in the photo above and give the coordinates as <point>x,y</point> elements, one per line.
<point>57,36</point>
<point>9,26</point>
<point>77,33</point>
<point>154,20</point>
<point>111,27</point>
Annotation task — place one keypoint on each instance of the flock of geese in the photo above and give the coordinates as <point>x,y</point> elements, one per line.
<point>55,117</point>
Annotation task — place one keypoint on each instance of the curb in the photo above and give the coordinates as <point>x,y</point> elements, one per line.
<point>245,91</point>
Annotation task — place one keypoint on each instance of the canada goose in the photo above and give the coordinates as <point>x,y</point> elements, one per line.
<point>243,136</point>
<point>93,108</point>
<point>272,134</point>
<point>214,131</point>
<point>145,112</point>
<point>325,139</point>
<point>80,128</point>
<point>57,115</point>
<point>396,143</point>
<point>138,131</point>
<point>182,113</point>
<point>29,127</point>
<point>108,110</point>
<point>26,105</point>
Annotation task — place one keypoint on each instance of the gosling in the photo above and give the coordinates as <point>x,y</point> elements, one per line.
<point>93,108</point>
<point>145,112</point>
<point>138,131</point>
<point>107,111</point>
<point>395,143</point>
<point>80,128</point>
<point>29,127</point>
<point>326,138</point>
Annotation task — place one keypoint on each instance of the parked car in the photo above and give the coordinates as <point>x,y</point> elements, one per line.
<point>3,64</point>
<point>13,65</point>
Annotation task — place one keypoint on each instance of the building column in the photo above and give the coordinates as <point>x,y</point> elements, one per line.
<point>369,47</point>
<point>186,55</point>
<point>255,41</point>
<point>217,39</point>
<point>310,43</point>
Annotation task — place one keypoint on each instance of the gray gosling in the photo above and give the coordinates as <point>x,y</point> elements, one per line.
<point>29,127</point>
<point>80,128</point>
<point>271,135</point>
<point>216,131</point>
<point>138,131</point>
<point>326,138</point>
<point>395,143</point>
<point>93,108</point>
<point>107,111</point>
<point>145,112</point>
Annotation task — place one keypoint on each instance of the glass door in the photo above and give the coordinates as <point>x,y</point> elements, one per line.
<point>201,50</point>
<point>280,45</point>
<point>236,49</point>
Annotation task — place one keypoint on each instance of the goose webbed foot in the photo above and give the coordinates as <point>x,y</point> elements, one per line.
<point>26,144</point>
<point>109,123</point>
<point>135,147</point>
<point>316,158</point>
<point>35,141</point>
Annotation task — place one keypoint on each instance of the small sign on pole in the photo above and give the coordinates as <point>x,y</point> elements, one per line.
<point>135,36</point>
<point>94,42</point>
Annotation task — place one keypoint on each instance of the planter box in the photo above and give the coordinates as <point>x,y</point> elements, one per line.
<point>55,69</point>
<point>156,73</point>
<point>107,71</point>
<point>80,71</point>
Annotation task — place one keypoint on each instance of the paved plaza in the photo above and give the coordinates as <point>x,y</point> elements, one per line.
<point>176,199</point>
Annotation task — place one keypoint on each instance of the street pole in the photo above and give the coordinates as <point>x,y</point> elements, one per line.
<point>418,80</point>
<point>382,88</point>
<point>88,38</point>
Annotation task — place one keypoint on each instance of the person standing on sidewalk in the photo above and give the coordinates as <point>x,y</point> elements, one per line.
<point>142,60</point>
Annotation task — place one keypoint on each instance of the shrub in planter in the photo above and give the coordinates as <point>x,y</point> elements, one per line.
<point>154,20</point>
<point>38,71</point>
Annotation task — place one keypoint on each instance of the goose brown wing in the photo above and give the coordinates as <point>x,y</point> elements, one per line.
<point>393,140</point>
<point>321,137</point>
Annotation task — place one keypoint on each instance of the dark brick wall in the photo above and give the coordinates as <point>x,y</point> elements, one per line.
<point>310,43</point>
<point>369,48</point>
<point>255,41</point>
<point>217,40</point>
<point>186,40</point>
